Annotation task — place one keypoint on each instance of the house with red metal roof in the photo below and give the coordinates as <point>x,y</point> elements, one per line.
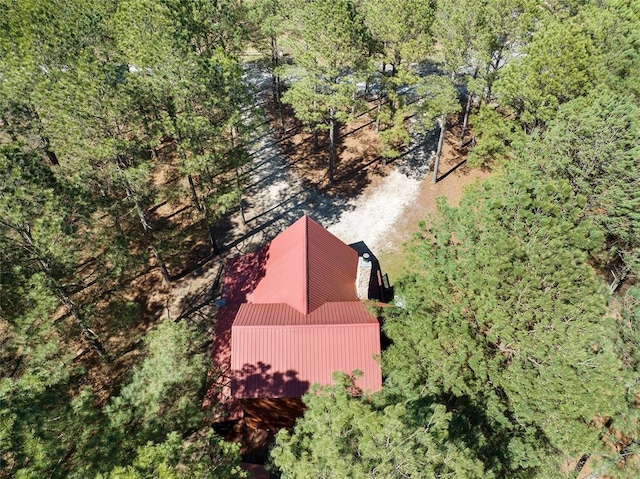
<point>303,319</point>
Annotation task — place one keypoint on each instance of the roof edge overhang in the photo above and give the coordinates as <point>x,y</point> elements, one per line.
<point>373,322</point>
<point>365,392</point>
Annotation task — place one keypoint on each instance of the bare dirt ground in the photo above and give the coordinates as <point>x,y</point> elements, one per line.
<point>380,203</point>
<point>377,202</point>
<point>454,176</point>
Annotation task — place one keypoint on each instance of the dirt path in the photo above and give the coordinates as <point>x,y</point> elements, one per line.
<point>380,205</point>
<point>381,208</point>
<point>455,178</point>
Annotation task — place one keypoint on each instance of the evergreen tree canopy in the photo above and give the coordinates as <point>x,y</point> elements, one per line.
<point>342,436</point>
<point>328,43</point>
<point>558,65</point>
<point>506,323</point>
<point>593,143</point>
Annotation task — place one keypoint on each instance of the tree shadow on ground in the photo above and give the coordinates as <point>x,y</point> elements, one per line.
<point>355,146</point>
<point>197,293</point>
<point>452,170</point>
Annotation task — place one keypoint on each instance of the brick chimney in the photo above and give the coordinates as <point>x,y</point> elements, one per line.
<point>363,276</point>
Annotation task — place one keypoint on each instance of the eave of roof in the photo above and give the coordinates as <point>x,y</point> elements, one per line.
<point>302,320</point>
<point>280,314</point>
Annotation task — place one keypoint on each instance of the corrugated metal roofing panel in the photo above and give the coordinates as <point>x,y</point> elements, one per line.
<point>285,275</point>
<point>303,320</point>
<point>285,361</point>
<point>348,312</point>
<point>251,314</point>
<point>331,269</point>
<point>306,266</point>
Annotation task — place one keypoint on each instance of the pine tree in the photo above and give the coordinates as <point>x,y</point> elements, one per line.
<point>592,142</point>
<point>342,436</point>
<point>327,40</point>
<point>207,456</point>
<point>401,37</point>
<point>558,65</point>
<point>37,224</point>
<point>162,393</point>
<point>507,324</point>
<point>267,17</point>
<point>439,101</point>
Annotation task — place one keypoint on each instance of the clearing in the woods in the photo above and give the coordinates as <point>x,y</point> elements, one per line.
<point>370,200</point>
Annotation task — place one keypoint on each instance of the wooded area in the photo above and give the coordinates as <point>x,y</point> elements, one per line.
<point>124,127</point>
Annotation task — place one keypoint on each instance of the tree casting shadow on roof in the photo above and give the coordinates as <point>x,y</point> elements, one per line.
<point>258,381</point>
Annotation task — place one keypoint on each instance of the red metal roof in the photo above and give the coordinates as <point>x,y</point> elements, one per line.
<point>284,361</point>
<point>306,267</point>
<point>303,320</point>
<point>347,312</point>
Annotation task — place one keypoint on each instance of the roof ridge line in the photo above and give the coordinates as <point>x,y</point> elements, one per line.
<point>306,260</point>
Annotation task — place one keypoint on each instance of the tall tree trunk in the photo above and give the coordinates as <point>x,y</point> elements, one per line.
<point>316,142</point>
<point>241,202</point>
<point>465,119</point>
<point>92,338</point>
<point>45,144</point>
<point>122,163</point>
<point>467,109</point>
<point>234,132</point>
<point>491,69</point>
<point>276,83</point>
<point>443,123</point>
<point>381,93</point>
<point>148,233</point>
<point>332,152</point>
<point>161,264</point>
<point>210,232</point>
<point>274,65</point>
<point>378,112</point>
<point>279,106</point>
<point>59,291</point>
<point>146,227</point>
<point>194,193</point>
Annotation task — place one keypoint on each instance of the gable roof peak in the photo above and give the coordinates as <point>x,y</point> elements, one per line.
<point>307,267</point>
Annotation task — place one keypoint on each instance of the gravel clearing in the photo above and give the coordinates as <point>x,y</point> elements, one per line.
<point>374,214</point>
<point>276,197</point>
